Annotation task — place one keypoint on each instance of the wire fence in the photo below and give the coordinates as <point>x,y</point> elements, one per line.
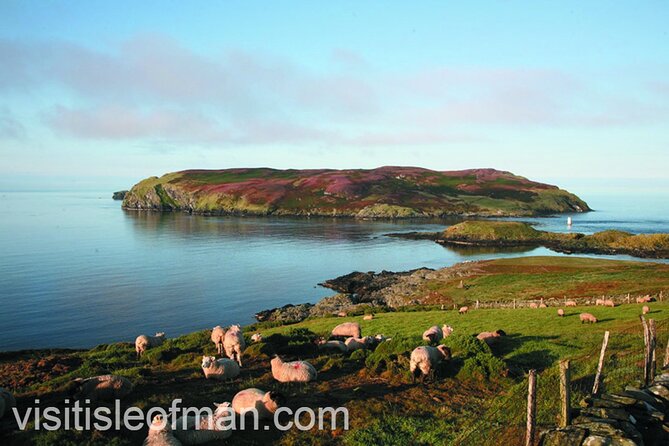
<point>505,420</point>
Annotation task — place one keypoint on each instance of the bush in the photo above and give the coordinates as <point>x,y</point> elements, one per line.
<point>478,362</point>
<point>360,354</point>
<point>402,430</point>
<point>387,354</point>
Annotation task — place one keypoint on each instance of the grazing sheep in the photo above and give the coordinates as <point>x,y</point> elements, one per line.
<point>599,302</point>
<point>101,388</point>
<point>434,334</point>
<point>160,434</point>
<point>353,344</point>
<point>560,312</point>
<point>222,368</point>
<point>144,342</point>
<point>7,401</point>
<point>463,310</point>
<point>211,428</point>
<point>368,317</point>
<point>587,317</point>
<point>234,343</point>
<point>543,305</point>
<point>217,336</point>
<point>336,346</point>
<point>533,305</point>
<point>257,337</point>
<point>296,371</point>
<point>265,403</point>
<point>490,337</point>
<point>425,359</point>
<point>609,303</point>
<point>346,330</point>
<point>645,309</point>
<point>570,303</point>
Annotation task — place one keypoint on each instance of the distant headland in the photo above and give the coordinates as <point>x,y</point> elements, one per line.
<point>384,192</point>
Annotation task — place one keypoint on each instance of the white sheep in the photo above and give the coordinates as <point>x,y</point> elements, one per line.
<point>215,427</point>
<point>368,317</point>
<point>296,371</point>
<point>463,310</point>
<point>353,344</point>
<point>234,343</point>
<point>144,342</point>
<point>560,312</point>
<point>160,434</point>
<point>347,329</point>
<point>265,403</point>
<point>570,303</point>
<point>645,309</point>
<point>256,337</point>
<point>425,359</point>
<point>490,337</point>
<point>217,335</point>
<point>101,388</point>
<point>335,346</point>
<point>587,317</point>
<point>222,368</point>
<point>7,401</point>
<point>435,334</point>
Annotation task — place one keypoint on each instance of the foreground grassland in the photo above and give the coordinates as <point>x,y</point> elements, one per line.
<point>385,406</point>
<point>385,192</point>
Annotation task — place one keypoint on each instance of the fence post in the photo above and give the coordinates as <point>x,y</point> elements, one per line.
<point>653,341</point>
<point>646,350</point>
<point>600,365</point>
<point>514,304</point>
<point>565,393</point>
<point>666,356</point>
<point>531,407</point>
<point>477,304</point>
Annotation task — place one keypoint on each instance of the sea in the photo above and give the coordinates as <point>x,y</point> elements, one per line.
<point>76,270</point>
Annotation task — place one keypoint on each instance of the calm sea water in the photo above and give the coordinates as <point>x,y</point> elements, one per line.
<point>76,270</point>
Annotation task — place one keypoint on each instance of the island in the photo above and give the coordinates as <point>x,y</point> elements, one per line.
<point>119,195</point>
<point>506,234</point>
<point>385,192</point>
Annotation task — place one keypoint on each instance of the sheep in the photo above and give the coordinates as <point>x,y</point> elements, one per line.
<point>425,359</point>
<point>160,434</point>
<point>353,344</point>
<point>379,338</point>
<point>101,388</point>
<point>543,305</point>
<point>609,303</point>
<point>645,309</point>
<point>463,310</point>
<point>234,343</point>
<point>533,305</point>
<point>346,330</point>
<point>144,342</point>
<point>217,335</point>
<point>570,303</point>
<point>342,314</point>
<point>7,401</point>
<point>368,317</point>
<point>434,334</point>
<point>222,368</point>
<point>560,312</point>
<point>296,371</point>
<point>490,337</point>
<point>265,403</point>
<point>644,299</point>
<point>215,427</point>
<point>599,302</point>
<point>587,317</point>
<point>256,337</point>
<point>336,346</point>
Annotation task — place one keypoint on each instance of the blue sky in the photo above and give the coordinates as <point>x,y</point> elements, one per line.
<point>101,94</point>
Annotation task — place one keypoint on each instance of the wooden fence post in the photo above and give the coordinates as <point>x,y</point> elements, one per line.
<point>565,393</point>
<point>666,356</point>
<point>600,365</point>
<point>531,407</point>
<point>646,349</point>
<point>514,304</point>
<point>477,304</point>
<point>653,342</point>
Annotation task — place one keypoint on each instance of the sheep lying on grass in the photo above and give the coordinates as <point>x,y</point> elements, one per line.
<point>353,344</point>
<point>463,310</point>
<point>7,401</point>
<point>347,330</point>
<point>490,337</point>
<point>214,427</point>
<point>217,336</point>
<point>256,337</point>
<point>265,403</point>
<point>368,317</point>
<point>587,317</point>
<point>101,388</point>
<point>296,371</point>
<point>570,303</point>
<point>160,434</point>
<point>534,305</point>
<point>222,368</point>
<point>234,343</point>
<point>543,305</point>
<point>332,346</point>
<point>425,359</point>
<point>560,312</point>
<point>435,334</point>
<point>144,342</point>
<point>644,299</point>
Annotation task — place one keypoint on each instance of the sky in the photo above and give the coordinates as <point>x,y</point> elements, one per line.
<point>97,95</point>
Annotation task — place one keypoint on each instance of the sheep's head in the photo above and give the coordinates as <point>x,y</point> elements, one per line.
<point>222,409</point>
<point>276,360</point>
<point>447,330</point>
<point>273,400</point>
<point>235,328</point>
<point>379,338</point>
<point>500,333</point>
<point>207,361</point>
<point>159,424</point>
<point>445,351</point>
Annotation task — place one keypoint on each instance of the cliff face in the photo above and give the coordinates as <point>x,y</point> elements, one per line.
<point>385,192</point>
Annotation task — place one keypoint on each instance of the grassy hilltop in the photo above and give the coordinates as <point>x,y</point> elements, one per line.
<point>385,408</point>
<point>385,192</point>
